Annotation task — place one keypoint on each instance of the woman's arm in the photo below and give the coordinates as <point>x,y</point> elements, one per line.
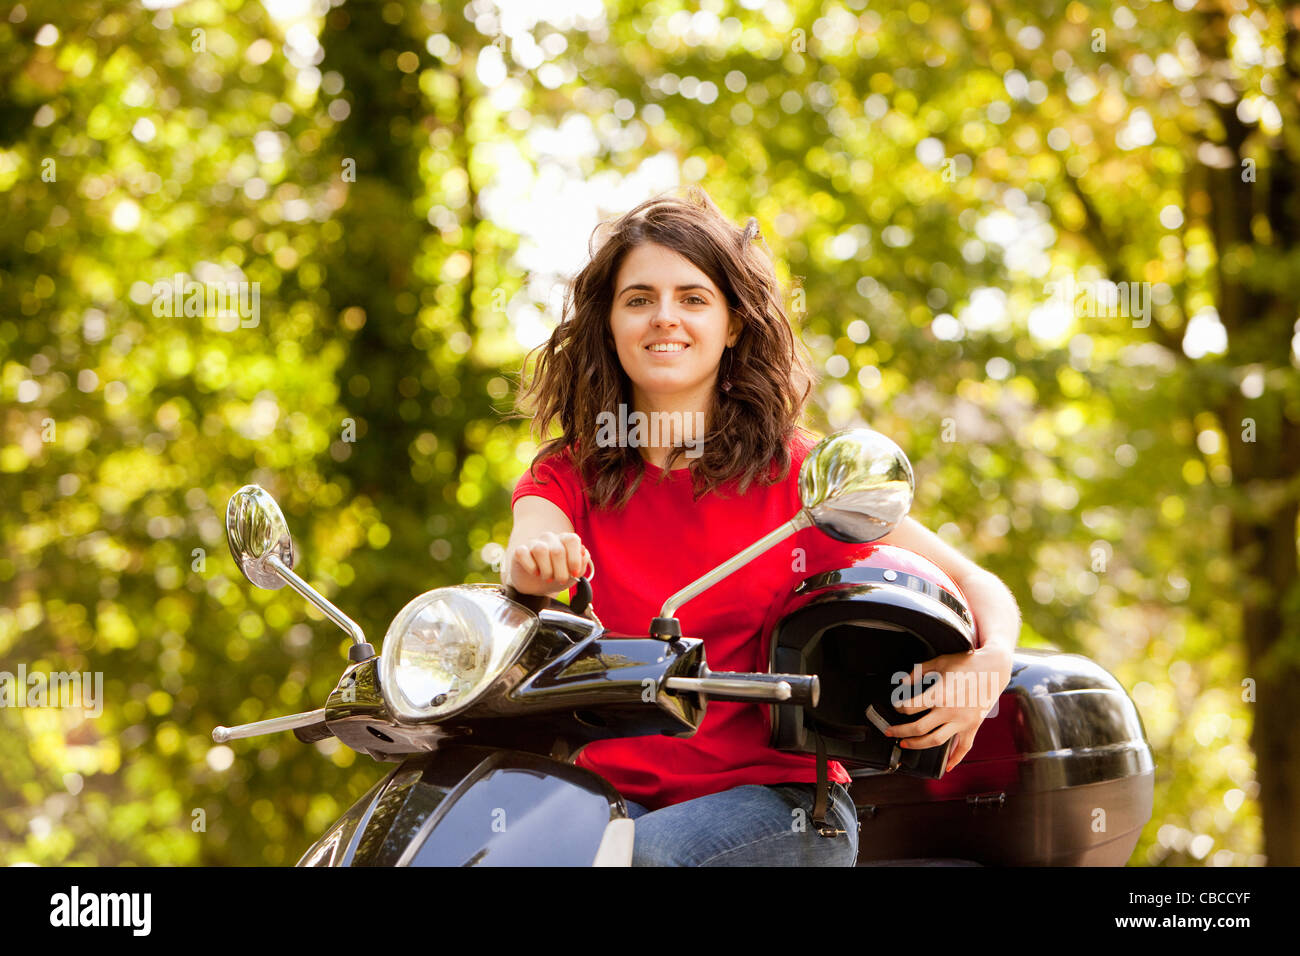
<point>544,555</point>
<point>992,605</point>
<point>997,627</point>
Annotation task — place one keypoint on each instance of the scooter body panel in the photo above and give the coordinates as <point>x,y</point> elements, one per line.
<point>475,806</point>
<point>1060,775</point>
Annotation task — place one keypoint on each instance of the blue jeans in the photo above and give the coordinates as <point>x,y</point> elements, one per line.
<point>751,825</point>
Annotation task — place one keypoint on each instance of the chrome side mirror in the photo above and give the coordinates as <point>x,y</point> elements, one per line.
<point>261,545</point>
<point>856,485</point>
<point>256,531</point>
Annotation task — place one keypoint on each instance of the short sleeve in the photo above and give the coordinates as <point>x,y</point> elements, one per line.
<point>557,482</point>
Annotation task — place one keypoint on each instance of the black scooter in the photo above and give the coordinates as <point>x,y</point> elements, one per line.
<point>483,695</point>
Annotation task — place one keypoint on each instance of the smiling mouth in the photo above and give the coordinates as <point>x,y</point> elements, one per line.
<point>660,350</point>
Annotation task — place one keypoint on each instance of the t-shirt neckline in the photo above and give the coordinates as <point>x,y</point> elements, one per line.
<point>656,470</point>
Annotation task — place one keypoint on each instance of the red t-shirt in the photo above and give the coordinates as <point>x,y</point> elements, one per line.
<point>658,543</point>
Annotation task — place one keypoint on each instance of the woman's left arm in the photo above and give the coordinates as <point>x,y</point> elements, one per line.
<point>997,628</point>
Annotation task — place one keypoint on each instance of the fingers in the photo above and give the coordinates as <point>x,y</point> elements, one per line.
<point>555,558</point>
<point>524,560</point>
<point>924,669</point>
<point>933,739</point>
<point>540,550</point>
<point>935,689</point>
<point>960,749</point>
<point>575,554</point>
<point>918,696</point>
<point>913,705</point>
<point>552,558</point>
<point>920,726</point>
<point>914,690</point>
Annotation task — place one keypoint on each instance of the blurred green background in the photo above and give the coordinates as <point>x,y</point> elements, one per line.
<point>410,183</point>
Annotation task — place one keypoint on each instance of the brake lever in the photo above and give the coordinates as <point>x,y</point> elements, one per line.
<point>273,726</point>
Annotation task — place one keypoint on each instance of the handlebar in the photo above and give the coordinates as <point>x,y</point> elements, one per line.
<point>800,689</point>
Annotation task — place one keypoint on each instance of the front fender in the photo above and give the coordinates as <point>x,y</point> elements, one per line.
<point>474,806</point>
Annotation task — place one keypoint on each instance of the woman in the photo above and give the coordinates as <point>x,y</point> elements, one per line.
<point>675,345</point>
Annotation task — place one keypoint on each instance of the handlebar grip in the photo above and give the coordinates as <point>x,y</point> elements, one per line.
<point>805,689</point>
<point>313,732</point>
<point>539,602</point>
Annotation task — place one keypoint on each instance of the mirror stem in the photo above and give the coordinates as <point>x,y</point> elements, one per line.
<point>666,626</point>
<point>360,649</point>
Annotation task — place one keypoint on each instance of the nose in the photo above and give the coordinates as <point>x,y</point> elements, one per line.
<point>664,316</point>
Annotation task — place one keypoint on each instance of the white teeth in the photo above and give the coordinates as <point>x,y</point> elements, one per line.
<point>667,347</point>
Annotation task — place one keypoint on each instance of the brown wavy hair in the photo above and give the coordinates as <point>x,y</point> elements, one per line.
<point>578,374</point>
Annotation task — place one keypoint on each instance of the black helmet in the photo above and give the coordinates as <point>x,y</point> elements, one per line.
<point>858,626</point>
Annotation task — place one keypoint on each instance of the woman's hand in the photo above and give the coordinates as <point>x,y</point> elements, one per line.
<point>974,680</point>
<point>549,563</point>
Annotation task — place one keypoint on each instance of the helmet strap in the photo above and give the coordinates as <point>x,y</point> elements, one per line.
<point>821,802</point>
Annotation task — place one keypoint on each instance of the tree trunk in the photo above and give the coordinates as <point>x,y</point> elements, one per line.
<point>1258,313</point>
<point>1266,552</point>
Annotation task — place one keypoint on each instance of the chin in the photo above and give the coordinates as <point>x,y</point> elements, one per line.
<point>664,384</point>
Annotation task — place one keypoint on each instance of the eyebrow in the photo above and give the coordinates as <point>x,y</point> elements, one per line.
<point>642,287</point>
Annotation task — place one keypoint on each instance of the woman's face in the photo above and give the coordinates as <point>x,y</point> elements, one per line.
<point>661,297</point>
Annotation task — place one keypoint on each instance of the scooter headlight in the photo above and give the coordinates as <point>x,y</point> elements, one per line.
<point>447,646</point>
